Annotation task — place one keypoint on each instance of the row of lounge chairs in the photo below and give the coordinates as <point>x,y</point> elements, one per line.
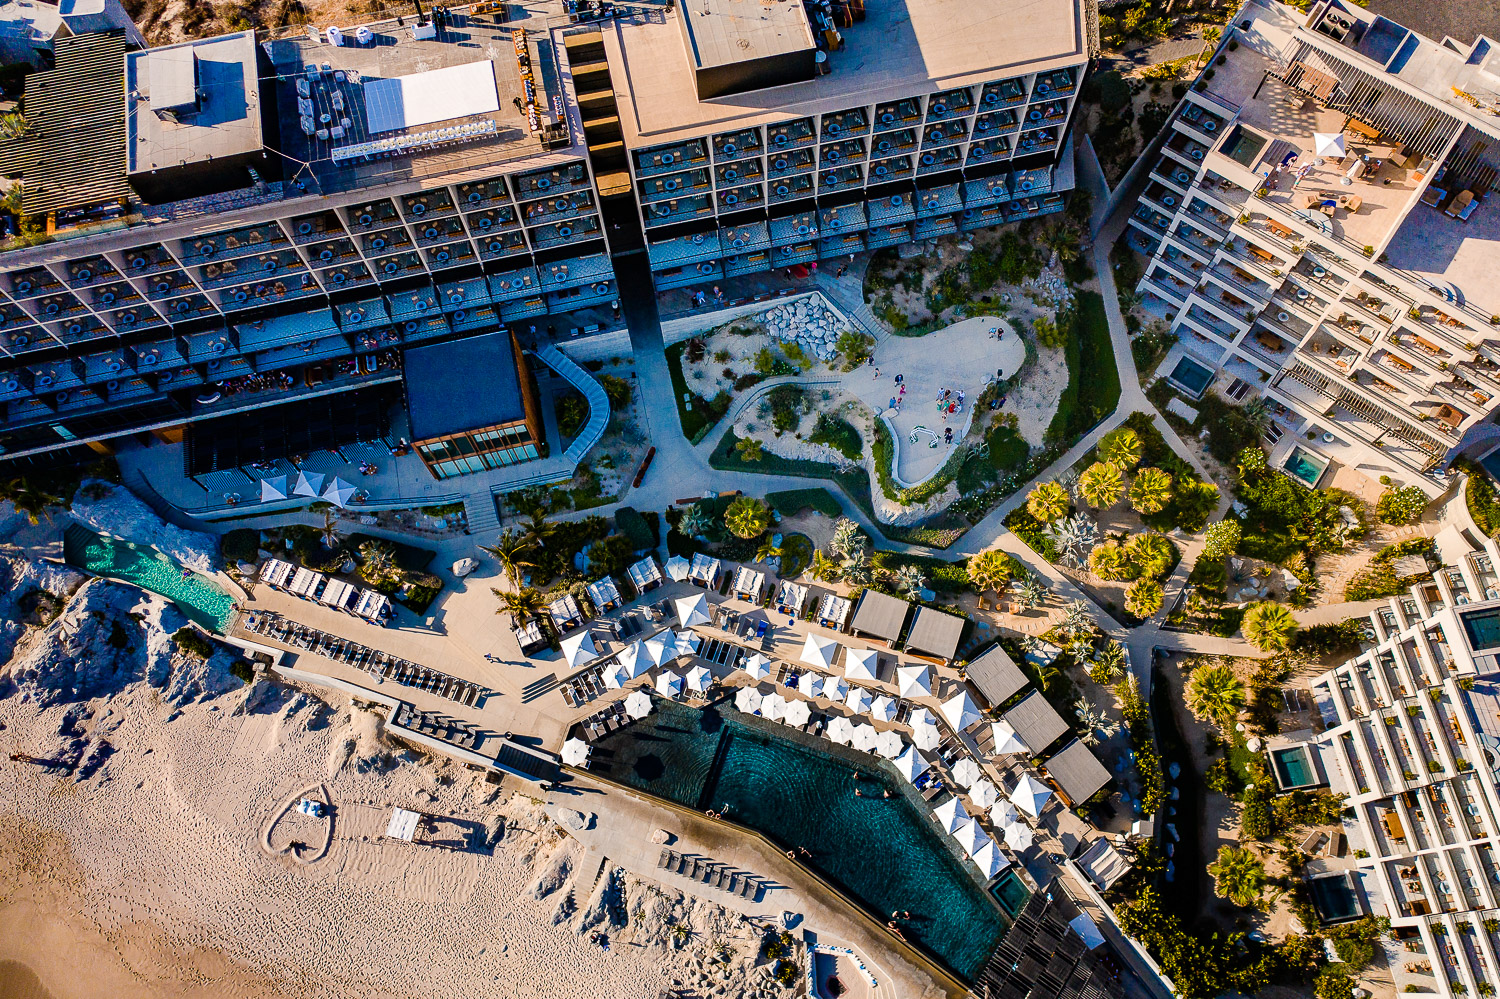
<point>604,722</point>
<point>711,873</point>
<point>450,730</point>
<point>584,687</point>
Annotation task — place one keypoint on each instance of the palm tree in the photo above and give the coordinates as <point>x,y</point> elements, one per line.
<point>857,569</point>
<point>1097,726</point>
<point>822,568</point>
<point>1030,592</point>
<point>749,449</point>
<point>330,533</point>
<point>696,521</point>
<point>1151,491</point>
<point>1151,552</point>
<point>1048,502</point>
<point>1121,447</point>
<point>1144,598</point>
<point>514,554</point>
<point>1108,561</point>
<point>379,562</point>
<point>1211,36</point>
<point>768,549</point>
<point>908,579</point>
<point>536,530</point>
<point>1100,484</point>
<point>847,538</point>
<point>1064,241</point>
<point>1239,876</point>
<point>519,604</point>
<point>1077,619</point>
<point>747,517</point>
<point>990,570</point>
<point>29,499</point>
<point>1109,663</point>
<point>1214,693</point>
<point>1269,626</point>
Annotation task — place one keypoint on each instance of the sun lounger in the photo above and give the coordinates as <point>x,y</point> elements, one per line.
<point>721,878</point>
<point>666,858</point>
<point>748,889</point>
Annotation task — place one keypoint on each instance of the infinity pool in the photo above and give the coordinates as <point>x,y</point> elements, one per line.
<point>799,791</point>
<point>197,596</point>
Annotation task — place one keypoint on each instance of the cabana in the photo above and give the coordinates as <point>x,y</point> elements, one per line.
<point>565,613</point>
<point>275,573</point>
<point>790,598</point>
<point>748,584</point>
<point>340,596</point>
<point>307,584</point>
<point>936,633</point>
<point>645,575</point>
<point>704,570</point>
<point>833,611</point>
<point>605,594</point>
<point>880,616</point>
<point>995,675</point>
<point>530,637</point>
<point>1077,773</point>
<point>1036,722</point>
<point>375,606</point>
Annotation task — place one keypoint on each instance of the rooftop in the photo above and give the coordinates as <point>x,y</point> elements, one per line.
<point>221,116</point>
<point>880,615</point>
<point>1036,721</point>
<point>936,633</point>
<point>996,675</point>
<point>723,32</point>
<point>442,401</point>
<point>903,47</point>
<point>1078,772</point>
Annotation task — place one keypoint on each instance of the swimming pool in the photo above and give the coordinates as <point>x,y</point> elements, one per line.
<point>1305,466</point>
<point>1243,146</point>
<point>200,598</point>
<point>798,790</point>
<point>1191,377</point>
<point>1294,768</point>
<point>1335,898</point>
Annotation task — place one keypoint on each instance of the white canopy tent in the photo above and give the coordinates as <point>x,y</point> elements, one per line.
<point>575,752</point>
<point>677,567</point>
<point>1007,740</point>
<point>615,675</point>
<point>668,684</point>
<point>910,764</point>
<point>1003,814</point>
<point>661,648</point>
<point>692,610</point>
<point>797,713</point>
<point>818,652</point>
<point>748,700</point>
<point>638,704</point>
<point>840,730</point>
<point>883,708</point>
<point>914,681</point>
<point>1030,795</point>
<point>339,492</point>
<point>961,711</point>
<point>889,744</point>
<point>970,836</point>
<point>861,664</point>
<point>864,737</point>
<point>835,688</point>
<point>273,488</point>
<point>309,484</point>
<point>699,678</point>
<point>579,650</point>
<point>757,667</point>
<point>633,657</point>
<point>989,859</point>
<point>951,814</point>
<point>966,772</point>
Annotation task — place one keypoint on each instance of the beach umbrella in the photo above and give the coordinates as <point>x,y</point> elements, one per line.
<point>889,744</point>
<point>983,793</point>
<point>757,667</point>
<point>910,764</point>
<point>818,651</point>
<point>1007,740</point>
<point>309,484</point>
<point>861,664</point>
<point>1030,795</point>
<point>579,649</point>
<point>273,488</point>
<point>1018,836</point>
<point>339,492</point>
<point>699,678</point>
<point>615,676</point>
<point>966,772</point>
<point>1329,144</point>
<point>797,713</point>
<point>747,700</point>
<point>687,643</point>
<point>834,688</point>
<point>692,610</point>
<point>668,684</point>
<point>633,657</point>
<point>926,737</point>
<point>772,706</point>
<point>677,567</point>
<point>858,700</point>
<point>950,814</point>
<point>864,737</point>
<point>840,730</point>
<point>970,836</point>
<point>921,716</point>
<point>575,752</point>
<point>914,681</point>
<point>883,708</point>
<point>961,711</point>
<point>638,704</point>
<point>1003,814</point>
<point>989,859</point>
<point>660,648</point>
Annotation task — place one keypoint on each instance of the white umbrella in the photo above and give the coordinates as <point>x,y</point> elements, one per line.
<point>660,648</point>
<point>834,688</point>
<point>818,651</point>
<point>983,793</point>
<point>615,676</point>
<point>914,681</point>
<point>858,700</point>
<point>970,836</point>
<point>633,657</point>
<point>889,744</point>
<point>757,667</point>
<point>699,678</point>
<point>961,711</point>
<point>966,772</point>
<point>1018,836</point>
<point>1007,740</point>
<point>1329,144</point>
<point>687,643</point>
<point>273,488</point>
<point>910,764</point>
<point>677,567</point>
<point>883,708</point>
<point>464,566</point>
<point>339,492</point>
<point>926,737</point>
<point>579,649</point>
<point>747,699</point>
<point>797,713</point>
<point>692,610</point>
<point>950,814</point>
<point>1003,814</point>
<point>772,706</point>
<point>840,730</point>
<point>921,716</point>
<point>1030,795</point>
<point>864,737</point>
<point>989,859</point>
<point>308,484</point>
<point>575,752</point>
<point>668,684</point>
<point>861,664</point>
<point>638,704</point>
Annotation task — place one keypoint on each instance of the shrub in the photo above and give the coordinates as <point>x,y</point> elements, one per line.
<point>1032,531</point>
<point>1048,332</point>
<point>1330,639</point>
<point>1269,626</point>
<point>190,641</point>
<point>634,527</point>
<point>1379,579</point>
<point>1255,820</point>
<point>790,502</point>
<point>240,545</point>
<point>838,434</point>
<point>1401,506</point>
<point>1220,540</point>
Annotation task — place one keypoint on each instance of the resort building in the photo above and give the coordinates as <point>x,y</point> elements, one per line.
<point>1412,726</point>
<point>1320,236</point>
<point>275,221</point>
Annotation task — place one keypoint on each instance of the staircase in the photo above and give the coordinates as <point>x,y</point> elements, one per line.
<point>592,391</point>
<point>483,518</point>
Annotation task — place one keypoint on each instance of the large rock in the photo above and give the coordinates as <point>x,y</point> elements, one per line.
<point>115,510</point>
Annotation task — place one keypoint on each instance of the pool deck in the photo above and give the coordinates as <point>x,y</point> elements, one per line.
<point>621,836</point>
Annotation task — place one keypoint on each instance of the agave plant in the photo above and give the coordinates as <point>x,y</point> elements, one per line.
<point>695,522</point>
<point>1075,537</point>
<point>1031,591</point>
<point>909,580</point>
<point>1077,620</point>
<point>857,568</point>
<point>1097,726</point>
<point>847,539</point>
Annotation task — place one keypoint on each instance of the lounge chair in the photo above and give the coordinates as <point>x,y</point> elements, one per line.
<point>1459,205</point>
<point>666,858</point>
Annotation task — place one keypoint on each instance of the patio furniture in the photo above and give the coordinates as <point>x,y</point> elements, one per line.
<point>1458,204</point>
<point>1433,196</point>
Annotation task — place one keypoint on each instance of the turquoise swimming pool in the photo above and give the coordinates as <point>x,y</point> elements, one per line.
<point>1294,768</point>
<point>1191,376</point>
<point>799,790</point>
<point>1305,466</point>
<point>199,597</point>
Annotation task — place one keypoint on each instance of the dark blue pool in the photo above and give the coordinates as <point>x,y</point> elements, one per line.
<point>799,790</point>
<point>1191,376</point>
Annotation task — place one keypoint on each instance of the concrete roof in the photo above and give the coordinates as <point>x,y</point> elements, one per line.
<point>880,615</point>
<point>935,632</point>
<point>1036,721</point>
<point>440,397</point>
<point>227,120</point>
<point>723,32</point>
<point>1078,772</point>
<point>996,675</point>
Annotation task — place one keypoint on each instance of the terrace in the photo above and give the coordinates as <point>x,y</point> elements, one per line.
<point>1455,259</point>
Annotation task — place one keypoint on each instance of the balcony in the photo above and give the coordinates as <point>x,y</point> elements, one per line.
<point>852,151</point>
<point>1241,282</point>
<point>1379,311</point>
<point>540,183</point>
<point>844,124</point>
<point>483,194</point>
<point>1212,220</point>
<point>950,104</point>
<point>792,135</point>
<point>897,114</point>
<point>1202,121</point>
<point>1055,84</point>
<point>736,145</point>
<point>1280,317</point>
<point>427,205</point>
<point>1199,239</point>
<point>891,169</point>
<point>895,142</point>
<point>944,134</point>
<point>678,210</point>
<point>1002,95</point>
<point>1183,266</point>
<point>674,186</point>
<point>1037,141</point>
<point>845,177</point>
<point>998,123</point>
<point>939,160</point>
<point>669,159</point>
<point>1185,149</point>
<point>1210,323</point>
<point>990,149</point>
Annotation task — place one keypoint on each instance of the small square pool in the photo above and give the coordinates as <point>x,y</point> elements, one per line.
<point>1244,146</point>
<point>1191,377</point>
<point>1483,629</point>
<point>1335,898</point>
<point>1294,768</point>
<point>1307,467</point>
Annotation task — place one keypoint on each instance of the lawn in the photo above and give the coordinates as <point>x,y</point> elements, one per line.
<point>855,483</point>
<point>1093,380</point>
<point>790,502</point>
<point>698,420</point>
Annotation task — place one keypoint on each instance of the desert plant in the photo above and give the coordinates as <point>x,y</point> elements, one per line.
<point>1077,619</point>
<point>1144,598</point>
<point>378,562</point>
<point>1269,626</point>
<point>747,517</point>
<point>1100,484</point>
<point>1150,491</point>
<point>857,569</point>
<point>1109,561</point>
<point>1214,693</point>
<point>1030,592</point>
<point>1152,554</point>
<point>1074,537</point>
<point>1109,664</point>
<point>1221,539</point>
<point>1121,447</point>
<point>908,579</point>
<point>1096,725</point>
<point>847,538</point>
<point>697,521</point>
<point>1048,502</point>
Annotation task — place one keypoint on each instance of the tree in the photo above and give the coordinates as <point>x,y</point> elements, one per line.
<point>330,533</point>
<point>697,521</point>
<point>908,579</point>
<point>1221,540</point>
<point>1240,876</point>
<point>1211,35</point>
<point>847,538</point>
<point>1152,554</point>
<point>378,562</point>
<point>747,517</point>
<point>29,499</point>
<point>1401,506</point>
<point>1109,664</point>
<point>520,603</point>
<point>1109,561</point>
<point>1121,447</point>
<point>822,568</point>
<point>1064,241</point>
<point>1269,626</point>
<point>1144,598</point>
<point>1151,491</point>
<point>514,554</point>
<point>768,549</point>
<point>1048,502</point>
<point>1031,591</point>
<point>1100,484</point>
<point>1214,693</point>
<point>991,570</point>
<point>749,449</point>
<point>1096,725</point>
<point>535,529</point>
